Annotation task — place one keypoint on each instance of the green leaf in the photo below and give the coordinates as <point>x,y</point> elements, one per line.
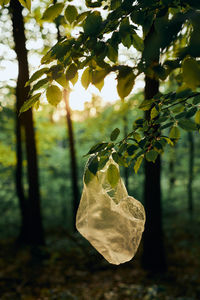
<point>52,12</point>
<point>112,53</point>
<point>146,104</point>
<point>196,100</point>
<point>151,155</point>
<point>169,142</point>
<point>96,148</point>
<point>92,24</point>
<point>99,85</point>
<point>86,78</point>
<point>118,158</point>
<point>26,3</point>
<point>187,124</point>
<point>102,162</point>
<point>98,76</point>
<point>125,82</point>
<point>113,175</point>
<point>137,42</point>
<point>29,103</point>
<point>174,133</point>
<point>81,17</point>
<point>167,125</point>
<point>71,72</point>
<point>131,149</point>
<point>71,13</point>
<point>75,79</point>
<point>191,112</point>
<point>197,117</point>
<point>54,95</point>
<point>93,166</point>
<point>88,176</point>
<point>154,113</point>
<point>63,81</point>
<point>4,2</point>
<point>115,133</point>
<point>39,84</point>
<point>138,163</point>
<point>37,75</point>
<point>191,73</point>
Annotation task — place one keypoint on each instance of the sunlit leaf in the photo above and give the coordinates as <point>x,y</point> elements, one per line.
<point>29,103</point>
<point>63,81</point>
<point>26,3</point>
<point>138,163</point>
<point>125,82</point>
<point>4,2</point>
<point>74,79</point>
<point>37,75</point>
<point>54,95</point>
<point>41,83</point>
<point>86,78</point>
<point>71,13</point>
<point>197,117</point>
<point>174,133</point>
<point>52,12</point>
<point>113,175</point>
<point>154,113</point>
<point>71,72</point>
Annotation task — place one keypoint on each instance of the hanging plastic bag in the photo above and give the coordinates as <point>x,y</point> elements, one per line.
<point>110,219</point>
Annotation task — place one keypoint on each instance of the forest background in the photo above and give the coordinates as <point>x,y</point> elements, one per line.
<point>42,163</point>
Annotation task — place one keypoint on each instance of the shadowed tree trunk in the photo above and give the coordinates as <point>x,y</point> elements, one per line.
<point>74,175</point>
<point>172,159</point>
<point>31,229</point>
<point>153,251</point>
<point>126,170</point>
<point>191,173</point>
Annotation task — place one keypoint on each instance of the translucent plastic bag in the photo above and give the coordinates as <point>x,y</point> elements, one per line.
<point>108,217</point>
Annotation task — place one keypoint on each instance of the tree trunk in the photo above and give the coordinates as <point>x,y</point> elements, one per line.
<point>74,175</point>
<point>153,253</point>
<point>126,170</point>
<point>191,172</point>
<point>172,159</point>
<point>31,230</point>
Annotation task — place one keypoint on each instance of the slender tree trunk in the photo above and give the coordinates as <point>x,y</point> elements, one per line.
<point>74,175</point>
<point>32,230</point>
<point>19,174</point>
<point>153,255</point>
<point>172,159</point>
<point>191,173</point>
<point>126,170</point>
<point>153,252</point>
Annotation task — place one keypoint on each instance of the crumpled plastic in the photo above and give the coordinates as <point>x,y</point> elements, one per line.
<point>110,219</point>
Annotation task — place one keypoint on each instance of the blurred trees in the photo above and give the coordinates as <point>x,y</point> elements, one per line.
<point>31,228</point>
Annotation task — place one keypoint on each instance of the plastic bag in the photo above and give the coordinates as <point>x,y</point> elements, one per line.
<point>108,217</point>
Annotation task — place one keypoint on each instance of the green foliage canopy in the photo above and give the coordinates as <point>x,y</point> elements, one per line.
<point>171,27</point>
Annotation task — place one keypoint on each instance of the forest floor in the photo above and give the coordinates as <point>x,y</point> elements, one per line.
<point>70,269</point>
